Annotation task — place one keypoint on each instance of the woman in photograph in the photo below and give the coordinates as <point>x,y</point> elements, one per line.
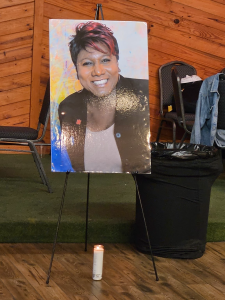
<point>105,126</point>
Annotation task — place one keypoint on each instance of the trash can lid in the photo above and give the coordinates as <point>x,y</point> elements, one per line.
<point>187,151</point>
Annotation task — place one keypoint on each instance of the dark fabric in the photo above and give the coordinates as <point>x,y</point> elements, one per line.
<point>173,115</point>
<point>130,131</point>
<point>190,92</point>
<point>221,105</point>
<point>45,105</point>
<point>166,80</point>
<point>223,153</point>
<point>14,132</point>
<point>175,200</point>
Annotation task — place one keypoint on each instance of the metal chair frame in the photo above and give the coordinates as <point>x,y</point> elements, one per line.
<point>181,118</point>
<point>43,120</point>
<point>166,95</point>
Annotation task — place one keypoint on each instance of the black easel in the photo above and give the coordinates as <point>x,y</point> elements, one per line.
<point>99,7</point>
<point>58,224</point>
<point>146,228</point>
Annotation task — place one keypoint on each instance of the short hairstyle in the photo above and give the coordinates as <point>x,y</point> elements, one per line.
<point>88,35</point>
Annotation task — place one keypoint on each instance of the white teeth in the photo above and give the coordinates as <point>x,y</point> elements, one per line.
<point>99,82</point>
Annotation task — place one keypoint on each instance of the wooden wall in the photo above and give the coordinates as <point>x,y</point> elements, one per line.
<point>16,39</point>
<point>191,31</point>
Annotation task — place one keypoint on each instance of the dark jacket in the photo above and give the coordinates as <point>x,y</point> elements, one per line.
<point>131,129</point>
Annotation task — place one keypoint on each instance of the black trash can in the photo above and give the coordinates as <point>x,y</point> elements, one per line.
<point>175,199</point>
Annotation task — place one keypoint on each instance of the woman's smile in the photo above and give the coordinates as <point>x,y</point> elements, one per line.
<point>100,82</point>
<point>98,71</point>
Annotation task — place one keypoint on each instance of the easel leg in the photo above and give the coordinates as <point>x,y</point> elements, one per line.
<point>146,228</point>
<point>99,7</point>
<point>58,224</point>
<point>87,206</point>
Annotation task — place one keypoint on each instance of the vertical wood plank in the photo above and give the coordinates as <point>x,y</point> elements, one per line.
<point>36,64</point>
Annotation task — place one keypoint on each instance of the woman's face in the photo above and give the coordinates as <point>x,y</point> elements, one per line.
<point>98,72</point>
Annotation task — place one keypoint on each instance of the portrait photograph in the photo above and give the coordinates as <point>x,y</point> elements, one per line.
<point>99,88</point>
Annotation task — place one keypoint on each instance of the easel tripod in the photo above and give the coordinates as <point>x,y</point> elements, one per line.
<point>99,7</point>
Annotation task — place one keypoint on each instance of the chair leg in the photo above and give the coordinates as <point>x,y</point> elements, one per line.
<point>182,140</point>
<point>39,166</point>
<point>159,131</point>
<point>174,134</point>
<point>174,131</point>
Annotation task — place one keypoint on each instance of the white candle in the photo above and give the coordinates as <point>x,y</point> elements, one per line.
<point>98,262</point>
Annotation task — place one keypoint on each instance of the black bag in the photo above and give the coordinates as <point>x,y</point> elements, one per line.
<point>190,92</point>
<point>175,199</point>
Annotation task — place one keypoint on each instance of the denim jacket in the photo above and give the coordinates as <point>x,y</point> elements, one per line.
<point>205,127</point>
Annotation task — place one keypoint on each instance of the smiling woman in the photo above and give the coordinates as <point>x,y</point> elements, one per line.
<point>98,71</point>
<point>105,126</point>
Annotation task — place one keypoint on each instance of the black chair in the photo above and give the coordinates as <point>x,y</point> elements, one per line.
<point>184,120</point>
<point>26,136</point>
<point>167,93</point>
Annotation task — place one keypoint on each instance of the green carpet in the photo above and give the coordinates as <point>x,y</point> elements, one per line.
<point>28,213</point>
<point>216,223</point>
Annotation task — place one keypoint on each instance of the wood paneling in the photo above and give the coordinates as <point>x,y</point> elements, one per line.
<point>15,95</point>
<point>16,67</point>
<point>185,11</point>
<point>18,25</point>
<point>15,81</point>
<point>16,39</point>
<point>7,3</point>
<point>45,66</point>
<point>189,41</point>
<point>22,120</point>
<point>17,54</point>
<point>15,12</point>
<point>36,65</point>
<point>208,6</point>
<point>183,53</point>
<point>198,37</point>
<point>56,12</point>
<point>17,109</point>
<point>190,31</point>
<point>78,8</point>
